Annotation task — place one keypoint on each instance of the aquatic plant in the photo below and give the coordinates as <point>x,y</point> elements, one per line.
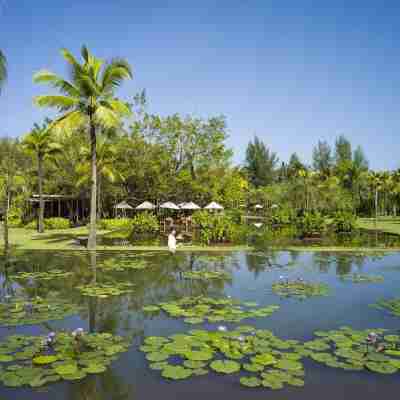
<point>31,362</point>
<point>299,289</point>
<point>35,311</point>
<point>354,350</point>
<point>196,310</point>
<point>363,278</point>
<point>45,276</point>
<point>104,290</point>
<point>392,305</point>
<point>272,361</point>
<point>206,275</point>
<point>122,264</point>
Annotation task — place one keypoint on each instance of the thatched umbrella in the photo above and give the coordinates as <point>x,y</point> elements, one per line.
<point>213,206</point>
<point>169,205</point>
<point>146,205</point>
<point>123,205</point>
<point>189,206</point>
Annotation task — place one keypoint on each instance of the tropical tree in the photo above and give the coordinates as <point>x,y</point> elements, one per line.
<point>3,69</point>
<point>40,143</point>
<point>87,101</point>
<point>260,163</point>
<point>375,182</point>
<point>106,155</point>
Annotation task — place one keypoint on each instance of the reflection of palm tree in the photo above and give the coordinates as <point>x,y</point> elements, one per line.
<point>92,301</point>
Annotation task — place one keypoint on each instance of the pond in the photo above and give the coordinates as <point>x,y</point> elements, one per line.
<point>106,292</point>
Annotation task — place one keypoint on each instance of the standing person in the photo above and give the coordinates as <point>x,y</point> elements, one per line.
<point>172,241</point>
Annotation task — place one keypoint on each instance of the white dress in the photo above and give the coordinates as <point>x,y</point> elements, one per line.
<point>171,243</point>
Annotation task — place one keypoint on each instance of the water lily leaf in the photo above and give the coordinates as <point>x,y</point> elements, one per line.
<point>263,359</point>
<point>5,358</point>
<point>95,368</point>
<point>176,372</point>
<point>200,371</point>
<point>289,365</point>
<point>199,355</point>
<point>225,366</point>
<point>250,381</point>
<point>382,368</point>
<point>151,309</point>
<point>43,360</point>
<point>157,356</point>
<point>253,367</point>
<point>194,364</point>
<point>158,366</point>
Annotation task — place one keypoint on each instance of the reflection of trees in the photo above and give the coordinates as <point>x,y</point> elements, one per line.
<point>106,386</point>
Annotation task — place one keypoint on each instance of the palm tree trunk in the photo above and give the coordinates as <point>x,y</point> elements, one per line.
<point>99,208</point>
<point>41,202</point>
<point>5,233</point>
<point>376,206</point>
<point>91,245</point>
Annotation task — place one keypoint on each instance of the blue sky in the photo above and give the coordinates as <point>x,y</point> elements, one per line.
<point>291,72</point>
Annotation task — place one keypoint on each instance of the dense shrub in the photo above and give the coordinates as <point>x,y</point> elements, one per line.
<point>214,228</point>
<point>51,223</point>
<point>14,217</point>
<point>115,223</point>
<point>282,216</point>
<point>311,223</point>
<point>344,221</point>
<point>145,223</point>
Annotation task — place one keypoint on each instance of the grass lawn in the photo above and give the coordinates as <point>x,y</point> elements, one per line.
<point>64,239</point>
<point>384,224</point>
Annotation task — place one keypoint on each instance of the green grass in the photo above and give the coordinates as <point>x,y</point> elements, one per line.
<point>384,224</point>
<point>64,239</point>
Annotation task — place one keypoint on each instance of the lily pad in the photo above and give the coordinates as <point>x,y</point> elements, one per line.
<point>225,366</point>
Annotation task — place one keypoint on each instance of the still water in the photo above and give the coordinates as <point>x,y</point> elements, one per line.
<point>250,278</point>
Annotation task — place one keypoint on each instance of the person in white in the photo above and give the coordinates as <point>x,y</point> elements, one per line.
<point>172,241</point>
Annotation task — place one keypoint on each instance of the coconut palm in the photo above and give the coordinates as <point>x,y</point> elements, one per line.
<point>87,101</point>
<point>40,142</point>
<point>106,155</point>
<point>375,181</point>
<point>3,69</point>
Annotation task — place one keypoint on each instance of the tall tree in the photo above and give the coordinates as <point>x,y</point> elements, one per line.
<point>260,163</point>
<point>294,166</point>
<point>3,69</point>
<point>322,158</point>
<point>343,151</point>
<point>87,101</point>
<point>40,143</point>
<point>359,159</point>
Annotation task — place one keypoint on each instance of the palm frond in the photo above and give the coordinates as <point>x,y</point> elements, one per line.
<point>54,80</point>
<point>118,106</point>
<point>114,73</point>
<point>62,103</point>
<point>106,117</point>
<point>3,69</point>
<point>69,123</point>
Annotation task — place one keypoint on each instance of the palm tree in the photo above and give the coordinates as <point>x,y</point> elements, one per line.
<point>375,181</point>
<point>3,69</point>
<point>87,101</point>
<point>40,143</point>
<point>106,154</point>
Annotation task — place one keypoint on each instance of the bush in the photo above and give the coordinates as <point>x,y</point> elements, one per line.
<point>51,223</point>
<point>145,223</point>
<point>115,223</point>
<point>14,217</point>
<point>311,223</point>
<point>214,227</point>
<point>282,216</point>
<point>344,221</point>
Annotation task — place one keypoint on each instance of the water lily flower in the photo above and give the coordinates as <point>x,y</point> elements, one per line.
<point>222,328</point>
<point>77,332</point>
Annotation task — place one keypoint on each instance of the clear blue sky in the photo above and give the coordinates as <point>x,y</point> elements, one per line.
<point>291,72</point>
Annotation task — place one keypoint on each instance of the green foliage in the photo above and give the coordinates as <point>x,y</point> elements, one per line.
<point>391,305</point>
<point>214,227</point>
<point>145,222</point>
<point>311,223</point>
<point>282,216</point>
<point>344,221</point>
<point>15,217</point>
<point>196,309</point>
<point>51,223</point>
<point>115,223</point>
<point>104,290</point>
<point>68,358</point>
<point>299,289</point>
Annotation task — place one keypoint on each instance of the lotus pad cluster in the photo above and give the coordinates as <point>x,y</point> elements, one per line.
<point>44,276</point>
<point>123,264</point>
<point>347,349</point>
<point>196,310</point>
<point>392,305</point>
<point>364,278</point>
<point>36,311</point>
<point>25,360</point>
<point>104,290</point>
<point>299,289</point>
<point>263,359</point>
<point>206,275</point>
